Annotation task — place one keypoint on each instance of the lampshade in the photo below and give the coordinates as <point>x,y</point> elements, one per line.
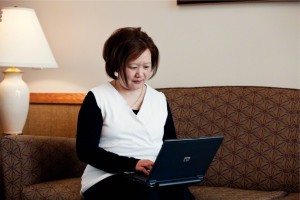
<point>22,44</point>
<point>22,40</point>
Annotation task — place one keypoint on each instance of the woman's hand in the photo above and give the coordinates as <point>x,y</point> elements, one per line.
<point>144,166</point>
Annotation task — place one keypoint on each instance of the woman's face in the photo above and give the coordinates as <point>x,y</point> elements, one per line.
<point>138,71</point>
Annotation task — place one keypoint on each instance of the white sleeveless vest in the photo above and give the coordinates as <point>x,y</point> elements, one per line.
<point>125,133</point>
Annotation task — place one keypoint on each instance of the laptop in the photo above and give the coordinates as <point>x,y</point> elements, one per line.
<point>180,161</point>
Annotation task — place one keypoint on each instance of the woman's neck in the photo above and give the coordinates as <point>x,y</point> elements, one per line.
<point>134,98</point>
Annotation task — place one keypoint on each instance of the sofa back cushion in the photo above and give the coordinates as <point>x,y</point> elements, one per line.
<point>260,126</point>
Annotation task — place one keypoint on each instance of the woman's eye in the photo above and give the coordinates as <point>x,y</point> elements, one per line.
<point>146,67</point>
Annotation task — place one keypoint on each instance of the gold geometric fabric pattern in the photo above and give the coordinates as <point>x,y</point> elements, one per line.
<point>223,193</point>
<point>29,160</point>
<point>67,189</point>
<point>260,126</point>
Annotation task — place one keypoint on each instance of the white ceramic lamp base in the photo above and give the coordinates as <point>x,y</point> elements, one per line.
<point>14,101</point>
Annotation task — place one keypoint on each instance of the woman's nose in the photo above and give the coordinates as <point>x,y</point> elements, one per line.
<point>139,72</point>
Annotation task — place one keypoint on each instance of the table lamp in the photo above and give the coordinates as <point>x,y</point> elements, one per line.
<point>22,44</point>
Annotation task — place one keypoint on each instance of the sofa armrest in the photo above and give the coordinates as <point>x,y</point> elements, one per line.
<point>28,160</point>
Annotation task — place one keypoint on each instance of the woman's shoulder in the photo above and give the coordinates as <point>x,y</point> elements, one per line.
<point>101,88</point>
<point>154,92</point>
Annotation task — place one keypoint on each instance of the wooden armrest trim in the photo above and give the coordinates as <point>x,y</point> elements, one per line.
<point>57,98</point>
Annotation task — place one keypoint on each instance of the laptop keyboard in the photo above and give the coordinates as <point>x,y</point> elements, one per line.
<point>137,176</point>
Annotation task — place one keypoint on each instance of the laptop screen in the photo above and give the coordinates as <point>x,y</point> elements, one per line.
<point>181,160</point>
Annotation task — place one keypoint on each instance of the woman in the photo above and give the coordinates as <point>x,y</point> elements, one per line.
<point>122,123</point>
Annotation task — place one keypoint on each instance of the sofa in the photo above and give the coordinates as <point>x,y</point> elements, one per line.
<point>258,159</point>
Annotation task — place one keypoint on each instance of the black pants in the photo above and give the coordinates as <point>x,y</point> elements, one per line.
<point>118,187</point>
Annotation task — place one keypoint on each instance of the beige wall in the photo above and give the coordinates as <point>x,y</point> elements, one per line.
<point>201,45</point>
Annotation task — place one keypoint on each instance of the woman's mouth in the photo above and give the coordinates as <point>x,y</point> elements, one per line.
<point>137,81</point>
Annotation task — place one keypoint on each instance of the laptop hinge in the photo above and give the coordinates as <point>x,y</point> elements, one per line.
<point>201,177</point>
<point>152,183</point>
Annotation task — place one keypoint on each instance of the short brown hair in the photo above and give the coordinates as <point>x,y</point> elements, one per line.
<point>124,45</point>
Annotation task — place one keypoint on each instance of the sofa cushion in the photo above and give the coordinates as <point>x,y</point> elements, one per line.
<point>292,196</point>
<point>67,189</point>
<point>223,193</point>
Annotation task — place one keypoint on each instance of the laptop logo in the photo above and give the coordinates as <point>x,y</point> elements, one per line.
<point>186,159</point>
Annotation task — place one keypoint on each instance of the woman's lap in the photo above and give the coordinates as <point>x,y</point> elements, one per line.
<point>118,187</point>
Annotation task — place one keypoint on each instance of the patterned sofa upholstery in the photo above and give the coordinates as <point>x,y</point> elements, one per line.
<point>258,159</point>
<point>260,154</point>
<point>40,167</point>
